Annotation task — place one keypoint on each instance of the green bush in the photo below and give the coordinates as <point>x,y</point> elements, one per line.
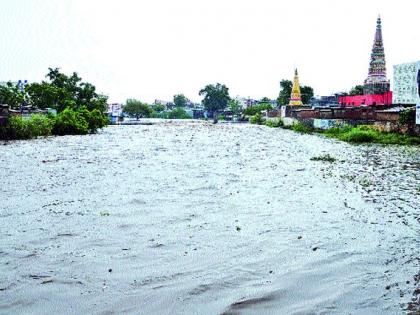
<point>257,119</point>
<point>302,128</point>
<point>95,119</point>
<point>407,116</point>
<point>178,113</point>
<point>40,125</point>
<point>274,123</point>
<point>70,122</point>
<point>19,128</point>
<point>159,114</point>
<point>335,131</point>
<point>253,110</point>
<point>366,134</point>
<point>357,135</point>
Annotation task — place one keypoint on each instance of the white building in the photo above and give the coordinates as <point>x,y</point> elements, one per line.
<point>406,83</point>
<point>115,109</point>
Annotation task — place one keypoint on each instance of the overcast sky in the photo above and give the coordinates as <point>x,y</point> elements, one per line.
<point>158,48</point>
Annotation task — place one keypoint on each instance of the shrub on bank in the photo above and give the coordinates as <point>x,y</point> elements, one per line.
<point>95,119</point>
<point>255,109</point>
<point>274,123</point>
<point>257,119</point>
<point>367,134</point>
<point>178,113</point>
<point>302,128</point>
<point>357,135</point>
<point>20,128</point>
<point>70,122</point>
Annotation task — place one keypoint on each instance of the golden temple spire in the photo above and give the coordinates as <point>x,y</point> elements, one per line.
<point>295,99</point>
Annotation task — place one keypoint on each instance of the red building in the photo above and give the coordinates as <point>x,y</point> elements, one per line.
<point>368,99</point>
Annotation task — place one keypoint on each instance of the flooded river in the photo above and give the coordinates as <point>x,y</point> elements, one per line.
<point>194,218</point>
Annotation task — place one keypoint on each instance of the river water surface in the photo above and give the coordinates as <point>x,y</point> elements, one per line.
<point>195,218</point>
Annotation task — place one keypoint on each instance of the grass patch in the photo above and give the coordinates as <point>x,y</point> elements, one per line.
<point>257,119</point>
<point>367,134</point>
<point>274,123</point>
<point>302,128</point>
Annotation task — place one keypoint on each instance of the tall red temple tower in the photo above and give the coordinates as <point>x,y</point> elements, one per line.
<point>376,82</point>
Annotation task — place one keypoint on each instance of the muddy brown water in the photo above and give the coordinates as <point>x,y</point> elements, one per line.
<point>194,218</point>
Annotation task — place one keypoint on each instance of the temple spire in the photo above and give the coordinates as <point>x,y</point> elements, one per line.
<point>376,82</point>
<point>295,99</point>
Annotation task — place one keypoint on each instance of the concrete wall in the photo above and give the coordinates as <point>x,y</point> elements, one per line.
<point>358,114</point>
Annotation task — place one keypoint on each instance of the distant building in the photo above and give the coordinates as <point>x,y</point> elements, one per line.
<point>115,111</point>
<point>407,83</point>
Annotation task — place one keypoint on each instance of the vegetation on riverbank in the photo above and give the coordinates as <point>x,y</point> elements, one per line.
<point>67,122</point>
<point>137,109</point>
<point>80,110</point>
<point>368,134</point>
<point>350,134</point>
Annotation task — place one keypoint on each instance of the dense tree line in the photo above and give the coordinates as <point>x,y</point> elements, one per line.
<point>80,109</point>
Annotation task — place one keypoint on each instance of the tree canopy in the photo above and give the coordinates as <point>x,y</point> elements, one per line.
<point>356,90</point>
<point>285,91</point>
<point>306,92</point>
<point>59,92</point>
<point>257,109</point>
<point>180,100</point>
<point>12,95</point>
<point>234,106</point>
<point>216,97</point>
<point>135,108</point>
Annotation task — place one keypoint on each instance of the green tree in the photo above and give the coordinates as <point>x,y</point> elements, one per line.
<point>234,106</point>
<point>265,100</point>
<point>72,92</point>
<point>307,93</point>
<point>180,100</point>
<point>158,108</point>
<point>44,95</point>
<point>257,109</point>
<point>178,113</point>
<point>70,122</point>
<point>12,95</point>
<point>137,109</point>
<point>216,98</point>
<point>356,90</point>
<point>285,91</point>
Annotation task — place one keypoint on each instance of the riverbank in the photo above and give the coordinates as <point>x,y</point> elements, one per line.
<point>67,122</point>
<point>346,133</point>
